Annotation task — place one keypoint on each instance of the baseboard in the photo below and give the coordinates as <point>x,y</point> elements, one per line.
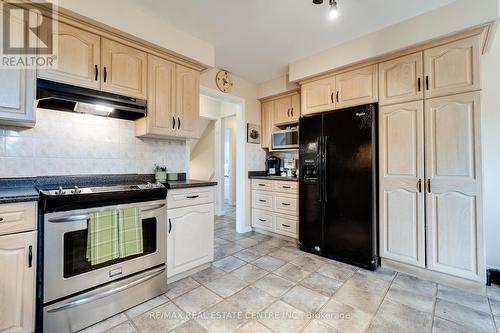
<point>273,234</point>
<point>475,287</point>
<point>492,276</point>
<point>187,273</point>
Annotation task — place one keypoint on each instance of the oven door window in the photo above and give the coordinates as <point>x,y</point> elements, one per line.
<point>75,249</point>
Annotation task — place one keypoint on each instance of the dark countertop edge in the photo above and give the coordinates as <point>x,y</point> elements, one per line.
<point>277,178</point>
<point>17,199</point>
<point>189,183</point>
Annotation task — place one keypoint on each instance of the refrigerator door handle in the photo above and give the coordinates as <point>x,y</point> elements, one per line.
<point>318,166</point>
<point>324,166</point>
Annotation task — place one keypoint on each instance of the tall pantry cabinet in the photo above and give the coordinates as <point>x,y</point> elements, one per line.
<point>430,164</point>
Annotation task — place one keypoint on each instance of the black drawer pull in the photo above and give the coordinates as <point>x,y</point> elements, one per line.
<point>105,74</point>
<point>96,72</point>
<point>285,204</point>
<point>30,256</point>
<point>261,220</point>
<point>286,187</point>
<point>192,196</point>
<point>1,219</point>
<point>262,200</point>
<point>169,225</point>
<point>262,184</point>
<point>286,225</point>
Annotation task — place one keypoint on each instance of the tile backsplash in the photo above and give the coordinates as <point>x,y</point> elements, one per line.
<point>64,143</point>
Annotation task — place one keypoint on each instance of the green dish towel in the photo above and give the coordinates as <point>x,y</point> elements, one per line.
<point>102,237</point>
<point>130,232</point>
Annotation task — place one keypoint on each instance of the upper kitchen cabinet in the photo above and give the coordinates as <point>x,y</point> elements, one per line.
<point>78,58</point>
<point>318,96</point>
<point>124,70</point>
<point>161,100</point>
<point>356,87</point>
<point>452,68</point>
<point>267,123</point>
<point>401,80</point>
<point>188,102</point>
<point>287,110</point>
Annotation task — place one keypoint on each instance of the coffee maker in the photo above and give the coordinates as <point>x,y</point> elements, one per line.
<point>290,166</point>
<point>273,165</point>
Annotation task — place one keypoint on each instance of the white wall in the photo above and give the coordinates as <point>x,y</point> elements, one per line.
<point>64,143</point>
<point>230,123</point>
<point>275,87</point>
<point>202,157</point>
<point>130,18</point>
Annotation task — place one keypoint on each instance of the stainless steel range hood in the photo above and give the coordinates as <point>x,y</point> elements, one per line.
<point>65,97</point>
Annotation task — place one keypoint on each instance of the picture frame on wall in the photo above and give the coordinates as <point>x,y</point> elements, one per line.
<point>253,133</point>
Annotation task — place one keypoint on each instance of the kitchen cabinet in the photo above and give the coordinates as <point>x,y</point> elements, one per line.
<point>401,80</point>
<point>190,237</point>
<point>17,217</point>
<point>318,96</point>
<point>267,123</point>
<point>17,287</point>
<point>402,213</point>
<point>124,69</point>
<point>356,87</point>
<point>453,170</point>
<point>287,110</point>
<point>161,99</point>
<point>188,102</point>
<point>452,68</point>
<point>78,58</point>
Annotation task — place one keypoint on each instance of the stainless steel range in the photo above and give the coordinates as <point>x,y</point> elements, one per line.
<point>76,293</point>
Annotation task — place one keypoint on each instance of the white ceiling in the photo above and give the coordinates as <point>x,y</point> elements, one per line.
<point>257,39</point>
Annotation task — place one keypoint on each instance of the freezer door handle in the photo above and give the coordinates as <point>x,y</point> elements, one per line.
<point>324,166</point>
<point>318,166</point>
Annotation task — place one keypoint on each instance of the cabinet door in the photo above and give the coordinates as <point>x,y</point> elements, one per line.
<point>17,97</point>
<point>453,167</point>
<point>190,240</point>
<point>318,96</point>
<point>357,87</point>
<point>282,108</point>
<point>267,110</point>
<point>17,283</point>
<point>188,102</point>
<point>161,99</point>
<point>78,58</point>
<point>295,110</point>
<point>401,80</point>
<point>402,212</point>
<point>124,70</point>
<point>452,68</point>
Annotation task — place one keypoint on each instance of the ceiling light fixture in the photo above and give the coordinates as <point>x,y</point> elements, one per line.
<point>333,12</point>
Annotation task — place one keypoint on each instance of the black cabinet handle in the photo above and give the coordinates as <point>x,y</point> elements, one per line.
<point>30,256</point>
<point>261,220</point>
<point>262,184</point>
<point>286,187</point>
<point>337,96</point>
<point>288,113</point>
<point>105,74</point>
<point>192,196</point>
<point>262,200</point>
<point>291,111</point>
<point>178,123</point>
<point>419,185</point>
<point>331,97</point>
<point>286,225</point>
<point>427,82</point>
<point>285,204</point>
<point>96,72</point>
<point>429,185</point>
<point>173,122</point>
<point>169,225</point>
<point>1,219</point>
<point>419,84</point>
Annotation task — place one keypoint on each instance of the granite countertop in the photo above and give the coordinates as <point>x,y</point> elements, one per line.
<point>188,183</point>
<point>263,175</point>
<point>18,194</point>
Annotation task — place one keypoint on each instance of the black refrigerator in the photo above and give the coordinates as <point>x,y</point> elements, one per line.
<point>338,185</point>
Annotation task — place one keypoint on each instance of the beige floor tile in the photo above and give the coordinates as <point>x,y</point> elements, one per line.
<point>464,298</point>
<point>248,255</point>
<point>308,263</point>
<point>146,306</point>
<point>395,317</point>
<point>411,298</point>
<point>251,299</point>
<point>222,318</point>
<point>207,275</point>
<point>493,291</point>
<point>380,273</point>
<point>284,255</point>
<point>125,327</point>
<point>273,285</point>
<point>446,326</point>
<point>246,242</point>
<point>269,263</point>
<point>106,324</point>
<point>226,285</point>
<point>497,322</point>
<point>362,293</point>
<point>229,264</point>
<point>420,286</point>
<point>197,300</point>
<point>464,315</point>
<point>345,318</point>
<point>254,327</point>
<point>249,273</point>
<point>317,326</point>
<point>335,272</point>
<point>321,284</point>
<point>292,272</point>
<point>190,326</point>
<point>495,307</point>
<point>260,237</point>
<point>305,299</point>
<point>163,319</point>
<point>285,318</point>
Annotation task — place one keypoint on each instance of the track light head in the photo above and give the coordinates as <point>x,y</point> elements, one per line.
<point>317,2</point>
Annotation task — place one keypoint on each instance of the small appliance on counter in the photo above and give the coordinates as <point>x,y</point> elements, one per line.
<point>273,165</point>
<point>285,139</point>
<point>290,166</point>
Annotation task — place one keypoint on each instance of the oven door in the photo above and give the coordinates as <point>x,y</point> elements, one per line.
<point>288,139</point>
<point>66,269</point>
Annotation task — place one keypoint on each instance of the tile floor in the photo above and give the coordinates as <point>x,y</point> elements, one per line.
<point>263,284</point>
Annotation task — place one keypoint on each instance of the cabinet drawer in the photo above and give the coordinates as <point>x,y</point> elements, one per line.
<point>262,200</point>
<point>17,217</point>
<point>286,187</point>
<point>286,224</point>
<point>262,220</point>
<point>287,205</point>
<point>190,197</point>
<point>261,184</point>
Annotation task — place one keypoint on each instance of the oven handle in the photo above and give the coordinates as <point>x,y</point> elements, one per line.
<point>92,298</point>
<point>76,218</point>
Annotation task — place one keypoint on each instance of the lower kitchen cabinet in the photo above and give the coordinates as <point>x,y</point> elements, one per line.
<point>190,237</point>
<point>17,282</point>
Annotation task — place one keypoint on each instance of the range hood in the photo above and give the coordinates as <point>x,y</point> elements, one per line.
<point>65,97</point>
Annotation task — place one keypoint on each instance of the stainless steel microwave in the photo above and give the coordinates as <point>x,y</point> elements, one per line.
<point>286,139</point>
